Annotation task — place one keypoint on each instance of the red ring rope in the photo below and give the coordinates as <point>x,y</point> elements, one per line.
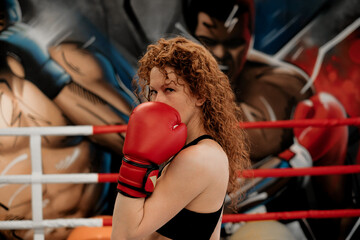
<point>280,172</point>
<point>291,215</point>
<point>337,213</point>
<point>310,171</point>
<point>302,123</point>
<point>262,124</point>
<point>109,129</point>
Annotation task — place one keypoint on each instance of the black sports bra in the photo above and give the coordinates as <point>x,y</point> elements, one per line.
<point>188,224</point>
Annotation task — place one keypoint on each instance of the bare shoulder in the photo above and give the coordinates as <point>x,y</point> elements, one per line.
<point>200,174</point>
<point>206,156</point>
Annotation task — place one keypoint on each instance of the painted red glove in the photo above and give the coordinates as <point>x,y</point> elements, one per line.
<point>154,134</point>
<point>314,143</point>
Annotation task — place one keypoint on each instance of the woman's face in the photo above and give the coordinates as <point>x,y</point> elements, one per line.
<point>174,91</point>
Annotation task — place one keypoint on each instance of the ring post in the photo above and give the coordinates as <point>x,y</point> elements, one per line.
<point>36,186</point>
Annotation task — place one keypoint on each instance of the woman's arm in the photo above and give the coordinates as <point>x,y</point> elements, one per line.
<point>127,217</point>
<point>138,218</point>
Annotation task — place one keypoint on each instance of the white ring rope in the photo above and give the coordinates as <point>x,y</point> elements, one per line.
<point>45,131</point>
<point>50,178</point>
<point>50,223</point>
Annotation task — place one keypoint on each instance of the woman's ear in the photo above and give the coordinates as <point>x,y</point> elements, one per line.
<point>200,101</point>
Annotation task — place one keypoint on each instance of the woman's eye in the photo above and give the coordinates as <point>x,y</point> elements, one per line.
<point>169,89</point>
<point>151,94</point>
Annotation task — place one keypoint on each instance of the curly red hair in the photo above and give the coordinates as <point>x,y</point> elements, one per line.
<point>199,69</point>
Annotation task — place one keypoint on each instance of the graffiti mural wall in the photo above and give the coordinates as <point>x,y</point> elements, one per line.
<point>69,62</point>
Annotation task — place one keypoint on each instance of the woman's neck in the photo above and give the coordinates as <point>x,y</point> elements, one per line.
<point>194,130</point>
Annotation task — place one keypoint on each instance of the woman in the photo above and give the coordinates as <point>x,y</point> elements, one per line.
<point>190,191</point>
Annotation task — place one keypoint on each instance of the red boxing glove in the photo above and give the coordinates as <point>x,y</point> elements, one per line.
<point>313,143</point>
<point>154,134</point>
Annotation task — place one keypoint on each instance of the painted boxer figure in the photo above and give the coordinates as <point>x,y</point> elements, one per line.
<point>60,85</point>
<point>270,90</point>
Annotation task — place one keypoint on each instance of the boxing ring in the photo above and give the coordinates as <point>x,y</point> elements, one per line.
<point>37,177</point>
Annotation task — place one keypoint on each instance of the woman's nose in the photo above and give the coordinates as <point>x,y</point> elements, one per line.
<point>159,97</point>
